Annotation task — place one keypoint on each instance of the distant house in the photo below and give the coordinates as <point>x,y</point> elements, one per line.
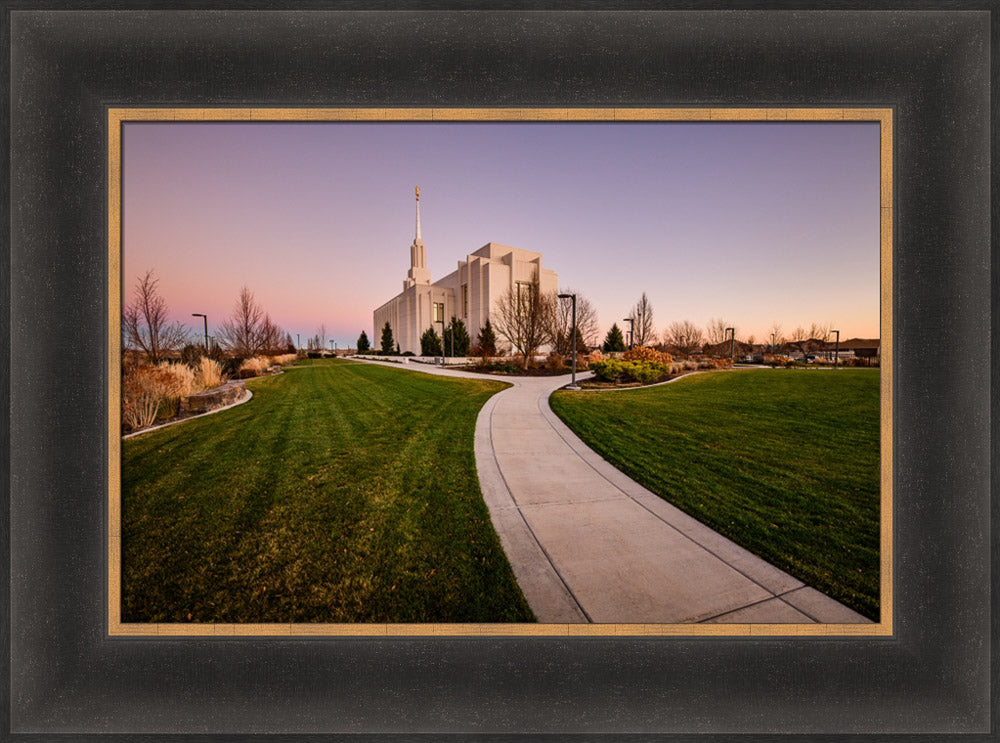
<point>813,348</point>
<point>869,349</point>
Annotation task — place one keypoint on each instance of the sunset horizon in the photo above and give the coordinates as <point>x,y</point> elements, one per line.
<point>750,223</point>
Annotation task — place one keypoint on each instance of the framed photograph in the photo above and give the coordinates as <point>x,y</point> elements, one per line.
<point>212,577</point>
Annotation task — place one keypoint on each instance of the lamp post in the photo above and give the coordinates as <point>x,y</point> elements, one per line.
<point>205,318</point>
<point>836,349</point>
<point>298,342</point>
<point>442,337</point>
<point>572,385</point>
<point>631,330</point>
<point>732,344</point>
<point>772,344</point>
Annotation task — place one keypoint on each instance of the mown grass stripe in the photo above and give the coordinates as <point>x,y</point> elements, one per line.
<point>783,462</point>
<point>341,493</point>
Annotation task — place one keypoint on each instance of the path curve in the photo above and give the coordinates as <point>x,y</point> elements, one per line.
<point>589,544</point>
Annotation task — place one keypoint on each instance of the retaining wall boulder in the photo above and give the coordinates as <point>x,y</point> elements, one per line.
<point>202,402</point>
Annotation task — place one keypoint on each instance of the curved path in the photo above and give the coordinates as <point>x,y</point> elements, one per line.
<point>589,544</point>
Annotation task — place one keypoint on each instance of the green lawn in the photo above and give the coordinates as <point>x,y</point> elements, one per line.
<point>783,462</point>
<point>342,492</point>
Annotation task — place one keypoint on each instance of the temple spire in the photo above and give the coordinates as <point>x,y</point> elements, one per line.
<point>419,273</point>
<point>418,213</point>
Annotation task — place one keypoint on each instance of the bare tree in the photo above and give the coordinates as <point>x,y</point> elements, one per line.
<point>321,334</point>
<point>716,330</point>
<point>820,332</point>
<point>684,336</point>
<point>776,333</point>
<point>586,322</point>
<point>523,315</point>
<point>642,322</point>
<point>272,338</point>
<point>243,332</point>
<point>145,325</point>
<point>799,334</point>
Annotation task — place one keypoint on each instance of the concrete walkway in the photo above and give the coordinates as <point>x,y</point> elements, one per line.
<point>589,544</point>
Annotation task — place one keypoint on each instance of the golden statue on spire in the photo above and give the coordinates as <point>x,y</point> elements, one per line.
<point>418,193</point>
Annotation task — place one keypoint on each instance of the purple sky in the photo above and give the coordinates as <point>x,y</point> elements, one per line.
<point>754,223</point>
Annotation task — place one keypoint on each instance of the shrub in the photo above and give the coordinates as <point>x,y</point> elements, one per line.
<point>646,372</point>
<point>594,356</point>
<point>455,339</point>
<point>430,343</point>
<point>179,378</point>
<point>231,367</point>
<point>208,373</point>
<point>283,359</point>
<point>144,390</point>
<point>555,362</point>
<point>191,353</point>
<point>486,345</point>
<point>645,353</point>
<point>254,366</point>
<point>616,371</point>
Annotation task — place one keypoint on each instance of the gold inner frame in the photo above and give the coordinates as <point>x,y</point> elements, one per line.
<point>119,116</point>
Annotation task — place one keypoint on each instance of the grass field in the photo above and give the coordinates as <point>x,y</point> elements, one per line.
<point>342,492</point>
<point>783,462</point>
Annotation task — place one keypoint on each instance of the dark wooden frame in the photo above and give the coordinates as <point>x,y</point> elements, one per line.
<point>66,675</point>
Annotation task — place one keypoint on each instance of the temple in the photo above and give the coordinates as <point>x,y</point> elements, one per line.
<point>467,293</point>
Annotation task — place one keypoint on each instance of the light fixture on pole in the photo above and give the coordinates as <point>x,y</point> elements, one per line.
<point>572,385</point>
<point>732,343</point>
<point>205,318</point>
<point>772,344</point>
<point>298,342</point>
<point>836,350</point>
<point>442,336</point>
<point>631,330</point>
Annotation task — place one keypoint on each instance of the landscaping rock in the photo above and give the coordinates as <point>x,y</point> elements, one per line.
<point>202,402</point>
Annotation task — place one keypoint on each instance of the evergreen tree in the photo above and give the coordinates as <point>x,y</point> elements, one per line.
<point>430,343</point>
<point>487,340</point>
<point>387,342</point>
<point>614,340</point>
<point>456,339</point>
<point>363,345</point>
<point>564,343</point>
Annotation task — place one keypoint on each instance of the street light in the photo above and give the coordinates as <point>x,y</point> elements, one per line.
<point>298,342</point>
<point>572,385</point>
<point>205,318</point>
<point>631,330</point>
<point>442,336</point>
<point>836,350</point>
<point>732,343</point>
<point>772,344</point>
